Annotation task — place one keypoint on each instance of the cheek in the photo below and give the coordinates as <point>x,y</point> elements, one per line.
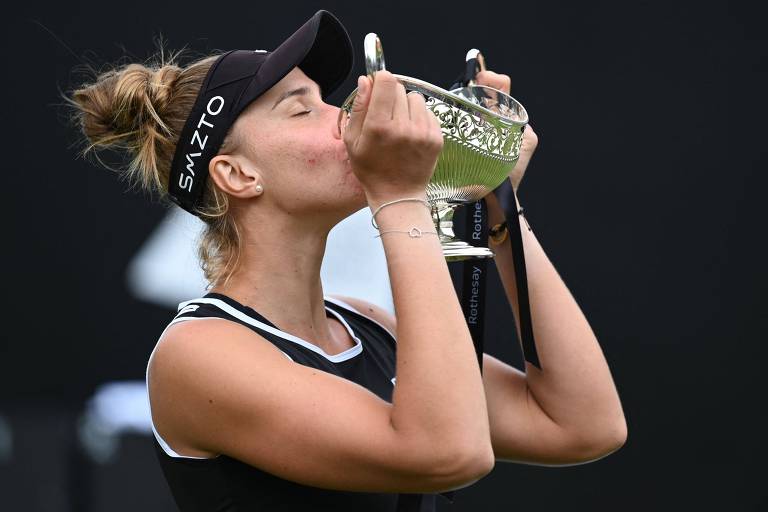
<point>322,154</point>
<point>328,163</point>
<point>296,154</point>
<point>310,154</point>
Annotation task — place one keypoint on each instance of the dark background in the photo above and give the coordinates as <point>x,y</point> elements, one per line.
<point>646,191</point>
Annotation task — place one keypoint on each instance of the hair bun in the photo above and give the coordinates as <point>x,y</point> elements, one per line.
<point>161,86</point>
<point>131,108</point>
<point>125,105</point>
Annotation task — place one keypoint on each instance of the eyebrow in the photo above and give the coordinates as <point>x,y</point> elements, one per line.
<point>301,91</point>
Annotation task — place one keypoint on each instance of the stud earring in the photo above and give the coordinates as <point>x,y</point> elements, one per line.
<point>259,188</point>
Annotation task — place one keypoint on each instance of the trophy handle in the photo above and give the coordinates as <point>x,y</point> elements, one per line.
<point>374,54</point>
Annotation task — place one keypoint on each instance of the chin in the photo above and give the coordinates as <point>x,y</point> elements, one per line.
<point>350,191</point>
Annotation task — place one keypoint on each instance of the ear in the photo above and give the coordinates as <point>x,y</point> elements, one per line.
<point>236,176</point>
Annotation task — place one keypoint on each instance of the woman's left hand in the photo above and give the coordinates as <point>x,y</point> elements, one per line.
<point>530,139</point>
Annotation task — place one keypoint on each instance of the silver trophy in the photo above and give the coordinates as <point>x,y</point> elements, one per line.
<point>482,134</point>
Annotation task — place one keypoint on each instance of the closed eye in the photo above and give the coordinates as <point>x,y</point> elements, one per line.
<point>302,113</point>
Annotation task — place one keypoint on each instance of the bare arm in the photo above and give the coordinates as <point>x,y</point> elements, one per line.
<point>439,388</point>
<point>521,431</point>
<point>393,145</point>
<point>574,388</point>
<point>569,411</point>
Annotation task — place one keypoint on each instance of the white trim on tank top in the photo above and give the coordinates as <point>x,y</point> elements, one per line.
<point>334,358</point>
<point>343,304</point>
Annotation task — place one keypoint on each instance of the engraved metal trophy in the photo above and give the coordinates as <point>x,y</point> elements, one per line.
<point>482,134</point>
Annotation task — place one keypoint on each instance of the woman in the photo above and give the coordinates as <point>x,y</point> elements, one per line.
<point>243,419</point>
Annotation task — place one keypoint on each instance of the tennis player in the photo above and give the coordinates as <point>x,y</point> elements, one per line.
<point>268,395</point>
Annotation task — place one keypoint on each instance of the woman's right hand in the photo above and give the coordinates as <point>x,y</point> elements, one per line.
<point>392,139</point>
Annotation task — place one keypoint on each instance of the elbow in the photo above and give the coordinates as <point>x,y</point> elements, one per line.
<point>481,462</point>
<point>617,436</point>
<point>466,466</point>
<point>600,442</point>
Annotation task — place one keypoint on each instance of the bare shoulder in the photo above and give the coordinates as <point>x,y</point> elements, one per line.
<point>190,364</point>
<point>372,310</point>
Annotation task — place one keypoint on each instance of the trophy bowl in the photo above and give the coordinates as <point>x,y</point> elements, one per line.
<point>482,134</point>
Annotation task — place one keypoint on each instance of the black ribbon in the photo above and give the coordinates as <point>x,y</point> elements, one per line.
<point>473,292</point>
<point>474,274</point>
<point>473,289</point>
<point>508,202</point>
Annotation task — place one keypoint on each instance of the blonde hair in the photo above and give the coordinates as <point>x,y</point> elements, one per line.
<point>140,110</point>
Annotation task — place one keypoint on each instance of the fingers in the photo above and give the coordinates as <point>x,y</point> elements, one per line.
<point>359,109</point>
<point>417,109</point>
<point>400,109</point>
<point>495,80</point>
<point>424,119</point>
<point>382,106</point>
<point>384,95</point>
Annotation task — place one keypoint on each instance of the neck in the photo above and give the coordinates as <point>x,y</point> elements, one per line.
<point>278,275</point>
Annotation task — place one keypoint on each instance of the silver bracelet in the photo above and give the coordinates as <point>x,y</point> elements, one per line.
<point>373,218</point>
<point>413,233</point>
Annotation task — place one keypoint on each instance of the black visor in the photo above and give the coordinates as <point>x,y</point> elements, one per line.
<point>321,48</point>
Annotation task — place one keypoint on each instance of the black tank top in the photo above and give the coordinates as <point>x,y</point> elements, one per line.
<point>225,484</point>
